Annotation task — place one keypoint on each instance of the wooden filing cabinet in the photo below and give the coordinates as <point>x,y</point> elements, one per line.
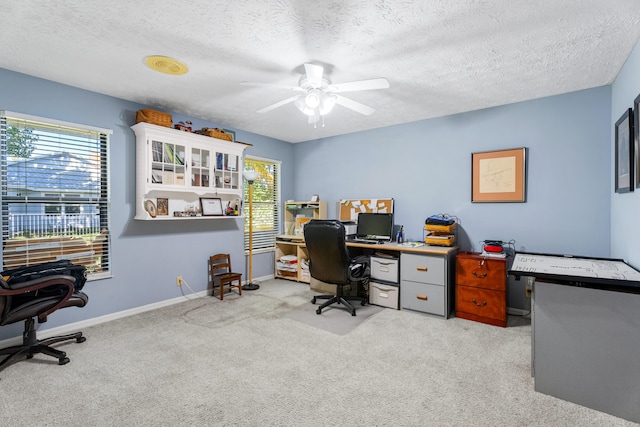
<point>481,288</point>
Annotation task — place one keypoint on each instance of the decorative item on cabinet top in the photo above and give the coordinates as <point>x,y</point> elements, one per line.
<point>159,118</point>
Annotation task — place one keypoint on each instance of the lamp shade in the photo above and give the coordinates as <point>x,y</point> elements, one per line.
<point>250,175</point>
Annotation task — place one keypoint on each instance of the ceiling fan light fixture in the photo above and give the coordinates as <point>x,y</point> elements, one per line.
<point>312,100</point>
<point>327,103</point>
<point>301,105</point>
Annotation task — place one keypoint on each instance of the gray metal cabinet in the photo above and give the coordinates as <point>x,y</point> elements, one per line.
<point>426,283</point>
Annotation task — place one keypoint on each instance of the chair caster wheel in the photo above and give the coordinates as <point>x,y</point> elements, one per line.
<point>353,313</point>
<point>81,339</point>
<point>313,300</point>
<point>318,311</point>
<point>63,361</point>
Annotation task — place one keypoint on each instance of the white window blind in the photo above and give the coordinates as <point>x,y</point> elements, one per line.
<point>55,193</point>
<point>266,203</point>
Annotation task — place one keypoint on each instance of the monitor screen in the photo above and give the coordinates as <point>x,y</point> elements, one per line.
<point>377,226</point>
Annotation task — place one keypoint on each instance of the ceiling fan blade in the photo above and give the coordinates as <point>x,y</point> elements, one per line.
<point>314,74</point>
<point>354,105</point>
<point>279,104</point>
<point>370,84</point>
<point>296,88</point>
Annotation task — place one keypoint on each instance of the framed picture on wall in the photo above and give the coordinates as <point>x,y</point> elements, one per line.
<point>624,142</point>
<point>636,139</point>
<point>498,176</point>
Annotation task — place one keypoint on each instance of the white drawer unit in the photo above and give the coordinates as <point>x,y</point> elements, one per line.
<point>385,269</point>
<point>426,283</point>
<point>384,295</point>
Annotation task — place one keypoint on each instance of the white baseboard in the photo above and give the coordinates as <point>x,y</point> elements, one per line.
<point>73,327</point>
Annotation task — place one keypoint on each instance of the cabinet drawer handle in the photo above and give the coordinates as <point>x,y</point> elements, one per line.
<point>420,268</point>
<point>479,275</point>
<point>479,305</point>
<point>422,297</point>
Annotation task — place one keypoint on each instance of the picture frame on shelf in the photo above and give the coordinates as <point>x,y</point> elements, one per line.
<point>499,176</point>
<point>162,205</point>
<point>211,206</point>
<point>636,138</point>
<point>315,198</point>
<point>624,152</point>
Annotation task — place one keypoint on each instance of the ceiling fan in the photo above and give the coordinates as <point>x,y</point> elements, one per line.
<point>319,95</point>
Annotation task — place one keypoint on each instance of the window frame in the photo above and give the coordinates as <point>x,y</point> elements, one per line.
<point>92,144</point>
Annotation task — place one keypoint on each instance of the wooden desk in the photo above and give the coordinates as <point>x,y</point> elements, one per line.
<point>426,275</point>
<point>427,272</point>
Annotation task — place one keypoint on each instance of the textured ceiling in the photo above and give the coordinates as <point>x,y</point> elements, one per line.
<point>440,56</point>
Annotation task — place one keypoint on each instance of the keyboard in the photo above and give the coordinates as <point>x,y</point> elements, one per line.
<point>367,241</point>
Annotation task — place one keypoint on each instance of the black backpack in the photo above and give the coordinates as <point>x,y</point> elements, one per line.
<point>66,267</point>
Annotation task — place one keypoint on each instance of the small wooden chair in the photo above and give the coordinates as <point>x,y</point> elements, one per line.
<point>222,275</point>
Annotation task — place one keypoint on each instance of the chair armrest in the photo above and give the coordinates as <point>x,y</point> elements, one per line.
<point>42,283</point>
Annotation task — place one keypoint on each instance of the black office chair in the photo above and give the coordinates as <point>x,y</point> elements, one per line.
<point>330,262</point>
<point>36,299</point>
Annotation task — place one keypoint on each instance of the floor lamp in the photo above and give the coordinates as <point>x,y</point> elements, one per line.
<point>250,176</point>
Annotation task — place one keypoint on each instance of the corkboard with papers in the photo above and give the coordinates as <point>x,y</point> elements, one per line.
<point>349,209</point>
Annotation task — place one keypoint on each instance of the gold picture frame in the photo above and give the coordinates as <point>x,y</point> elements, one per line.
<point>498,176</point>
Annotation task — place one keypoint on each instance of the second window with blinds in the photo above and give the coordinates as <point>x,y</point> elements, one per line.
<point>266,204</point>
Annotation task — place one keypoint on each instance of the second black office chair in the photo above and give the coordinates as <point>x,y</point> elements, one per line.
<point>331,262</point>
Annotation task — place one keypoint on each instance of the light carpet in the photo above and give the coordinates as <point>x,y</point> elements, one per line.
<point>244,362</point>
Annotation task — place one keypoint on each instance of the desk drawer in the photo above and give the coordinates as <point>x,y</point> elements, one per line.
<point>481,305</point>
<point>384,269</point>
<point>423,268</point>
<point>479,272</point>
<point>384,295</point>
<point>422,297</point>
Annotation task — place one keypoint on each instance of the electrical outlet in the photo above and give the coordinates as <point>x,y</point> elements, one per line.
<point>528,288</point>
<point>179,281</point>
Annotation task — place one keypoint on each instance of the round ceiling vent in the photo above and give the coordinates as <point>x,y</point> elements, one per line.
<point>164,64</point>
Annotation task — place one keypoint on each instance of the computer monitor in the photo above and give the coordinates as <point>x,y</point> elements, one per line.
<point>378,226</point>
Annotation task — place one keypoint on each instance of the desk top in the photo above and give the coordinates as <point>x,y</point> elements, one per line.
<point>400,247</point>
<point>391,246</point>
<point>600,273</point>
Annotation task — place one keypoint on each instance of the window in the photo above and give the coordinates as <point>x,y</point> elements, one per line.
<point>266,203</point>
<point>55,193</point>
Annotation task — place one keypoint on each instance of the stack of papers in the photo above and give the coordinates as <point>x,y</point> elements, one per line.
<point>494,254</point>
<point>288,263</point>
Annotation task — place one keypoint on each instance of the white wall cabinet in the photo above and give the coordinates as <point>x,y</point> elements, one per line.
<point>181,167</point>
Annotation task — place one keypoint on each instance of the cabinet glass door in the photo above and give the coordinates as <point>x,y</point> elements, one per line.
<point>200,167</point>
<point>226,171</point>
<point>167,164</point>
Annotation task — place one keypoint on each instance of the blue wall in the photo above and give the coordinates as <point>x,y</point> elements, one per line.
<point>146,256</point>
<point>625,223</point>
<point>426,167</point>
